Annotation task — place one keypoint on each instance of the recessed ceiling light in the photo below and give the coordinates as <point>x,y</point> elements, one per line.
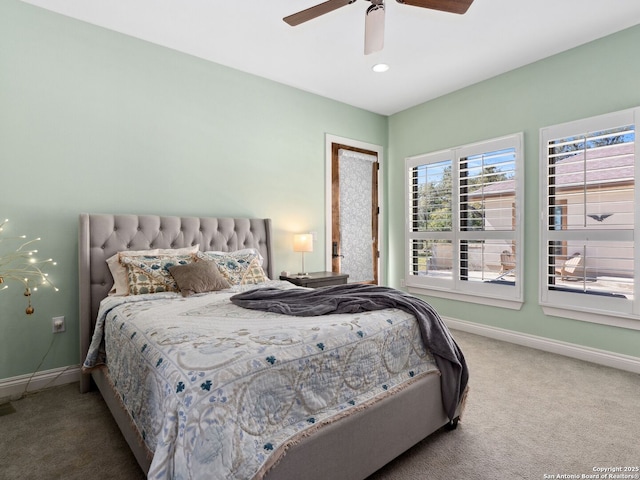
<point>380,67</point>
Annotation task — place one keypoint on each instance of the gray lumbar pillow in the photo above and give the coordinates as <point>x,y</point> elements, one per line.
<point>198,277</point>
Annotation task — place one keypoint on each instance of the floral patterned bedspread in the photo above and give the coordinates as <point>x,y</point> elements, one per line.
<point>219,392</point>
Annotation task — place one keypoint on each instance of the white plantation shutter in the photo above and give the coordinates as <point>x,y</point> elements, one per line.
<point>430,214</point>
<point>485,179</point>
<point>589,220</point>
<point>486,199</point>
<point>462,230</point>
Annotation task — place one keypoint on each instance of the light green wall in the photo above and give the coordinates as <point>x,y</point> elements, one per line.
<point>596,78</point>
<point>94,121</point>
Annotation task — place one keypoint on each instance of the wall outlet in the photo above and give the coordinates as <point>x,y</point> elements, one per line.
<point>58,324</point>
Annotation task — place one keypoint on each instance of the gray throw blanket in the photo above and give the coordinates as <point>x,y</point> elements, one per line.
<point>356,298</point>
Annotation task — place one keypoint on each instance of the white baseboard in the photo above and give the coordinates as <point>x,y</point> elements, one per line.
<point>594,355</point>
<point>14,387</point>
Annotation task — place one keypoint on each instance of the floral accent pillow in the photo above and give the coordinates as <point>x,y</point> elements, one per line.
<point>119,271</point>
<point>235,253</point>
<point>239,268</point>
<point>150,273</point>
<point>254,274</point>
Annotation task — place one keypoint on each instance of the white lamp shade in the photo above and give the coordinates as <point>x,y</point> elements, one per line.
<point>374,29</point>
<point>303,242</point>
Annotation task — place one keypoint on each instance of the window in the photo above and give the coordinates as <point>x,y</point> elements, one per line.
<point>463,237</point>
<point>589,221</point>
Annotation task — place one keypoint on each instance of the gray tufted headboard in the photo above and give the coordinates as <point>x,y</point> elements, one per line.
<point>101,236</point>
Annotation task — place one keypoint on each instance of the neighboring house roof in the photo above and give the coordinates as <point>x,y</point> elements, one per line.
<point>506,187</point>
<point>609,164</point>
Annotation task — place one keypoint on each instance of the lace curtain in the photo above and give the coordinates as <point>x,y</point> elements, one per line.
<point>356,234</point>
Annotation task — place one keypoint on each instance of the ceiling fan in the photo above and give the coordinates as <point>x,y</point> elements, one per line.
<point>374,17</point>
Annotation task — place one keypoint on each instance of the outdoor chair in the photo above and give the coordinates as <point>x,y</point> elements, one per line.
<point>569,267</point>
<point>507,263</point>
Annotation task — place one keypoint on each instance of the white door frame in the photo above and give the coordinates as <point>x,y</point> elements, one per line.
<point>329,140</point>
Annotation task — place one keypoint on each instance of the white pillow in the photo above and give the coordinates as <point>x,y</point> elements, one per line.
<point>119,271</point>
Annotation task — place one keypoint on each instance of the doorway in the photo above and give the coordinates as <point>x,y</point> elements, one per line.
<point>354,223</point>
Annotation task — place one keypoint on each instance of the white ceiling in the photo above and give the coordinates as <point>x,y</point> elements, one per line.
<point>430,53</point>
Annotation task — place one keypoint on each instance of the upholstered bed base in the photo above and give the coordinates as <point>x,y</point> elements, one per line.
<point>354,447</point>
<point>350,448</point>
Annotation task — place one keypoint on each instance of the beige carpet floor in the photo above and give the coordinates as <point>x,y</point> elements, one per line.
<point>529,414</point>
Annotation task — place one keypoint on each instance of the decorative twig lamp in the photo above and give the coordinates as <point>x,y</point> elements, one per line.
<point>21,266</point>
<point>303,242</point>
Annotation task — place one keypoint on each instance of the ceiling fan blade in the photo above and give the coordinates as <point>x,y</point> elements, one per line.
<point>451,6</point>
<point>315,11</point>
<point>374,29</point>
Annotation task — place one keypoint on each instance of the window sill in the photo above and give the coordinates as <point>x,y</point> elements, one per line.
<point>602,318</point>
<point>466,297</point>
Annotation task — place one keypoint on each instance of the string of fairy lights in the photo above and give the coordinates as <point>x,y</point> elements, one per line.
<point>22,266</point>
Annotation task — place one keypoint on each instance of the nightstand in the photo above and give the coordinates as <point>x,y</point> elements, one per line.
<point>317,279</point>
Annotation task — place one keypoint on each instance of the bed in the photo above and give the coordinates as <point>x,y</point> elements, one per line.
<point>350,437</point>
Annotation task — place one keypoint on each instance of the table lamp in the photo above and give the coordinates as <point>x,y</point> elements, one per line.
<point>303,242</point>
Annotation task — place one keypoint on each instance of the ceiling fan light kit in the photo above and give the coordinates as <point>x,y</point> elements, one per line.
<point>374,27</point>
<point>374,16</point>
